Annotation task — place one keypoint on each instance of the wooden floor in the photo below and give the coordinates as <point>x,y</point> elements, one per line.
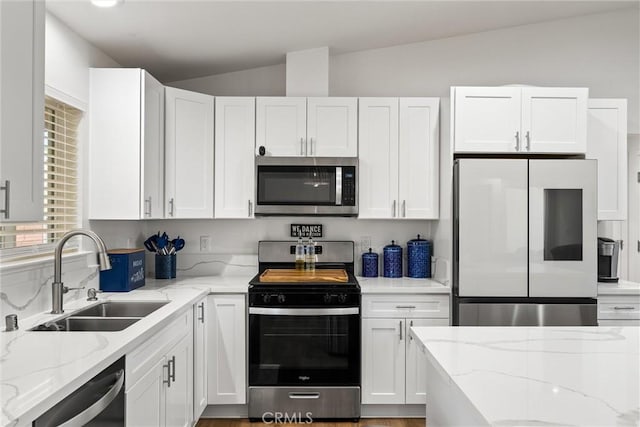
<point>368,422</point>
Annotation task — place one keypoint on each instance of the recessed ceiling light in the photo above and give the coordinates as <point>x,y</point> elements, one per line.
<point>106,3</point>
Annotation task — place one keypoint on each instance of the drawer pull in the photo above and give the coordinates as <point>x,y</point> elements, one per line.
<point>623,308</point>
<point>406,306</point>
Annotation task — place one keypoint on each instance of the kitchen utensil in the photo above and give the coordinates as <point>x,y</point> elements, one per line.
<point>151,244</point>
<point>392,260</point>
<point>418,258</point>
<point>370,264</point>
<point>176,245</point>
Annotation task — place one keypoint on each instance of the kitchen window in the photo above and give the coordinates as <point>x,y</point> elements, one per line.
<point>60,185</point>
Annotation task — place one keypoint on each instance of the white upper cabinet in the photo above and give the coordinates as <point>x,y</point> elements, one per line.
<point>21,110</point>
<point>607,143</point>
<point>281,125</point>
<point>332,127</point>
<point>398,158</point>
<point>126,144</point>
<point>234,157</point>
<point>295,126</point>
<point>189,154</point>
<point>519,119</point>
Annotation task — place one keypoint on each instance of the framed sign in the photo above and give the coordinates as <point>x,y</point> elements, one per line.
<point>306,230</point>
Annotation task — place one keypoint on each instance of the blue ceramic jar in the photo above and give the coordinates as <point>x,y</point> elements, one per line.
<point>392,260</point>
<point>419,258</point>
<point>369,264</point>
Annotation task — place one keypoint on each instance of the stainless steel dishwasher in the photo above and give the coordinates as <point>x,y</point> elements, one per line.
<point>97,403</point>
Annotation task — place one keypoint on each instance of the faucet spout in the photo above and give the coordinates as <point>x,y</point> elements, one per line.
<point>58,289</point>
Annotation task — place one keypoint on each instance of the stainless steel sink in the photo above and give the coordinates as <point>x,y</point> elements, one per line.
<point>121,309</point>
<point>96,324</point>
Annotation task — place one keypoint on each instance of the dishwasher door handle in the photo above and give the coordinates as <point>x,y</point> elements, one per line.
<point>95,409</point>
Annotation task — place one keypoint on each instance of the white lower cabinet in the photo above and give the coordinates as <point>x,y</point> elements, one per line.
<point>226,343</point>
<point>393,368</point>
<point>159,378</point>
<point>618,310</point>
<point>200,359</point>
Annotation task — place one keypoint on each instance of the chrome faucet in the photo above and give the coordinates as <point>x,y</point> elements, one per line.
<point>57,287</point>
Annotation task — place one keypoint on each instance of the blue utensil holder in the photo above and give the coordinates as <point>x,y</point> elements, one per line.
<point>165,266</point>
<point>370,264</point>
<point>419,258</point>
<point>392,260</point>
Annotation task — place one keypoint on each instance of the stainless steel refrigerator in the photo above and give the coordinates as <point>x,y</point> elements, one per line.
<point>525,244</point>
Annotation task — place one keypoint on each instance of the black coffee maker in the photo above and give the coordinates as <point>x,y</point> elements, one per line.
<point>608,251</point>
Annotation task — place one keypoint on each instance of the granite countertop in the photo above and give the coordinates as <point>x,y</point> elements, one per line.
<point>541,376</point>
<point>401,285</point>
<point>623,287</point>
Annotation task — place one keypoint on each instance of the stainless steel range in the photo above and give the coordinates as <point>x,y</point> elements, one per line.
<point>304,337</point>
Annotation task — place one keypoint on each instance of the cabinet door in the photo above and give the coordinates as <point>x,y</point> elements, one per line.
<point>153,147</point>
<point>21,110</point>
<point>418,192</point>
<point>554,120</point>
<point>607,143</point>
<point>227,350</point>
<point>145,400</point>
<point>235,158</point>
<point>487,119</point>
<point>378,158</point>
<point>492,227</point>
<point>281,125</point>
<point>200,359</point>
<point>189,154</point>
<point>179,394</point>
<point>416,375</point>
<point>332,127</point>
<point>383,361</point>
<point>115,147</point>
<point>563,255</point>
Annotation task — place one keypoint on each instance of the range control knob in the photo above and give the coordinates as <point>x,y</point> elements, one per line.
<point>266,298</point>
<point>327,298</point>
<point>281,298</point>
<point>342,298</point>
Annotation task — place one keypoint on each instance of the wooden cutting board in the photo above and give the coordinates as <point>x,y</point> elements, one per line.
<point>283,275</point>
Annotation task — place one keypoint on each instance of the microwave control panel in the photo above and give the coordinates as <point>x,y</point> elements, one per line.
<point>348,186</point>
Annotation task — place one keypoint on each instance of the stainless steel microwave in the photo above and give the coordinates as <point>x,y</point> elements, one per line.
<point>307,186</point>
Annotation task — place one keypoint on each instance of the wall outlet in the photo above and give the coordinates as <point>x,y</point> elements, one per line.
<point>205,243</point>
<point>365,243</point>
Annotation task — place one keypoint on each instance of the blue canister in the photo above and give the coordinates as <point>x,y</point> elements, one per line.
<point>369,264</point>
<point>419,258</point>
<point>392,260</point>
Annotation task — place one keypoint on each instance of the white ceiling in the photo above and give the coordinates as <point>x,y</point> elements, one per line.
<point>178,40</point>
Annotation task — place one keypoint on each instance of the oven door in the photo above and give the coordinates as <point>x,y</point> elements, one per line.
<point>304,346</point>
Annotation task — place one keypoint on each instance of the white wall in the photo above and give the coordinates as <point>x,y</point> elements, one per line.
<point>263,81</point>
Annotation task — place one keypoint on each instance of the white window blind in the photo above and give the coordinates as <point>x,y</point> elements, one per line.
<point>60,179</point>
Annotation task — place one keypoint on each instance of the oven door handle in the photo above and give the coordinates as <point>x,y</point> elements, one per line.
<point>304,395</point>
<point>304,311</point>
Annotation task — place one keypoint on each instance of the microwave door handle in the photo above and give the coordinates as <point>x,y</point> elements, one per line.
<point>338,185</point>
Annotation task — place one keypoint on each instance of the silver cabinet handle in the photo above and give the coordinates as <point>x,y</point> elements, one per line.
<point>528,137</point>
<point>517,147</point>
<point>171,206</point>
<point>96,408</point>
<point>172,366</point>
<point>301,145</point>
<point>201,317</point>
<point>623,308</point>
<point>393,209</point>
<point>250,208</point>
<point>303,395</point>
<point>405,306</point>
<point>7,197</point>
<point>411,326</point>
<point>311,143</point>
<point>168,380</point>
<point>401,330</point>
<point>404,208</point>
<point>147,203</point>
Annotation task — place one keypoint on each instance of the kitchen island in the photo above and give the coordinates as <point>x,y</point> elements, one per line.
<point>531,375</point>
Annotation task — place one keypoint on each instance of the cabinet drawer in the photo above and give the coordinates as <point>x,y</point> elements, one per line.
<point>140,360</point>
<point>405,306</point>
<point>619,308</point>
